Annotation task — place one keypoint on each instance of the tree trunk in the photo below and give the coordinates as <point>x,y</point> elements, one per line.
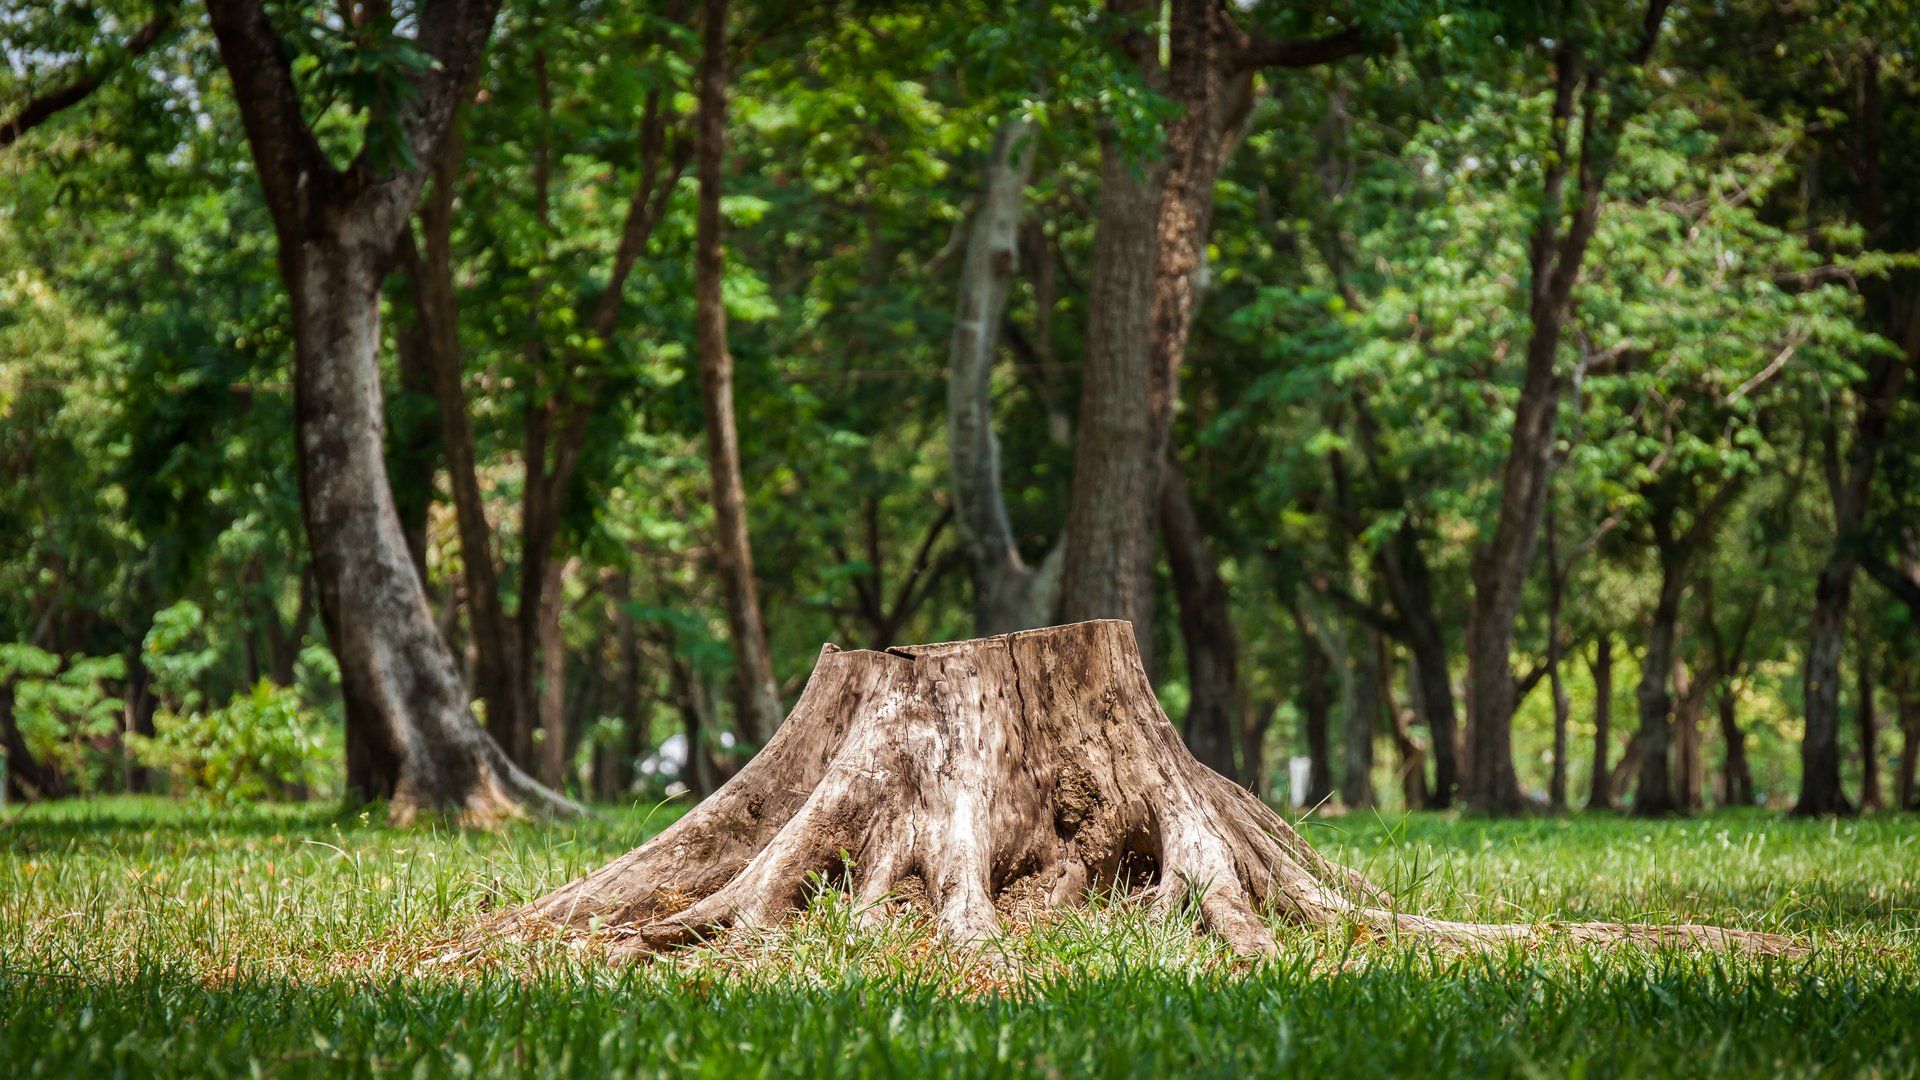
<point>1358,719</point>
<point>549,653</point>
<point>1555,256</point>
<point>1851,487</point>
<point>1409,584</point>
<point>1007,593</point>
<point>1907,795</point>
<point>1556,584</point>
<point>1206,630</point>
<point>756,699</point>
<point>988,782</point>
<point>1316,702</point>
<point>1736,776</point>
<point>410,735</point>
<point>499,674</point>
<point>1600,788</point>
<point>1869,728</point>
<point>1117,461</point>
<point>1689,758</point>
<point>1820,744</point>
<point>26,778</point>
<point>1654,796</point>
<point>1412,768</point>
<point>413,452</point>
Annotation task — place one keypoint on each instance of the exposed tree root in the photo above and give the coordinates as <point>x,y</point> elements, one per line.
<point>989,780</point>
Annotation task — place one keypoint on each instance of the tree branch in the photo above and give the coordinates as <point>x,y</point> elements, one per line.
<point>1264,52</point>
<point>1894,579</point>
<point>39,110</point>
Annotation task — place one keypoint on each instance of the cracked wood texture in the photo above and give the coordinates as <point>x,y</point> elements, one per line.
<point>986,782</point>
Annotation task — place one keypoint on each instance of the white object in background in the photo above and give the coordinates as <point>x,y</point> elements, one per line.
<point>1299,776</point>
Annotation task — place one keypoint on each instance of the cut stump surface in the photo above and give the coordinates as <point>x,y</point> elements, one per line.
<point>988,780</point>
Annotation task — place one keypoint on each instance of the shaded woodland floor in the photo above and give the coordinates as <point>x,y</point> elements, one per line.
<point>153,938</point>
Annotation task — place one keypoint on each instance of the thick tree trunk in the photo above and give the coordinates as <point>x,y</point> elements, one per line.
<point>756,699</point>
<point>411,738</point>
<point>549,653</point>
<point>989,782</point>
<point>410,735</point>
<point>1007,593</point>
<point>1117,459</point>
<point>1869,728</point>
<point>1600,787</point>
<point>1206,630</point>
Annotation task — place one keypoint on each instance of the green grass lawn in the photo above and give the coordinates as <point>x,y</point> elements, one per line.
<point>151,938</point>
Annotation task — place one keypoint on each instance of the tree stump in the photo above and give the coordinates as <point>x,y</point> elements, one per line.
<point>988,780</point>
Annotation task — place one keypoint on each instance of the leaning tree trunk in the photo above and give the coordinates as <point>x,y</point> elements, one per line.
<point>410,736</point>
<point>986,781</point>
<point>1007,593</point>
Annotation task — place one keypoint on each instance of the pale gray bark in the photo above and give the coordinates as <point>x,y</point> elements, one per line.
<point>1007,593</point>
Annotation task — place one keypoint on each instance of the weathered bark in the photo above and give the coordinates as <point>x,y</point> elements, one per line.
<point>1116,460</point>
<point>1206,630</point>
<point>1007,593</point>
<point>1555,256</point>
<point>1600,789</point>
<point>1152,226</point>
<point>756,699</point>
<point>1870,798</point>
<point>410,735</point>
<point>988,782</point>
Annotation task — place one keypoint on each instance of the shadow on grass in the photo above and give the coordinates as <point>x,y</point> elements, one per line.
<point>1492,1016</point>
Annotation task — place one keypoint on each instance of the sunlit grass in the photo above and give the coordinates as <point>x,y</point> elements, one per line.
<point>153,937</point>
